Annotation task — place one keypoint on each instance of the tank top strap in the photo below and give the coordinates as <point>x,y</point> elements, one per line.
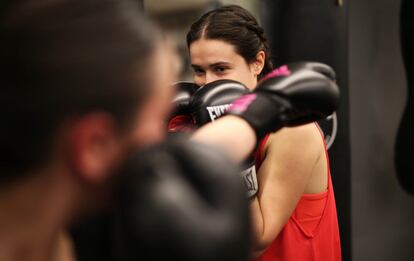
<point>259,153</point>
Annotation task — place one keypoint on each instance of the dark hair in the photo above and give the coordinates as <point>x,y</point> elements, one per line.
<point>236,26</point>
<point>61,59</point>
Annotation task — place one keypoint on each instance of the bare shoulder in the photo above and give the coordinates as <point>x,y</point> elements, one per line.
<point>303,141</point>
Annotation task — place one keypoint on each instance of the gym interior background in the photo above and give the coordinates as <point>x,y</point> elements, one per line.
<point>376,216</point>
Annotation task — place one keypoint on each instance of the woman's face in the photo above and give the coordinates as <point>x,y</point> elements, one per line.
<point>216,59</point>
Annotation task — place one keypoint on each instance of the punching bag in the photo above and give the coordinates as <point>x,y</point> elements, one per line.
<point>405,136</point>
<point>303,30</point>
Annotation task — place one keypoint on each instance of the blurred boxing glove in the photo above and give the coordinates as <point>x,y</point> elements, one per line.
<point>180,119</point>
<point>291,98</point>
<point>210,102</point>
<point>182,200</point>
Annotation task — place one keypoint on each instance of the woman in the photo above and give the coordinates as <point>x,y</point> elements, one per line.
<point>294,214</point>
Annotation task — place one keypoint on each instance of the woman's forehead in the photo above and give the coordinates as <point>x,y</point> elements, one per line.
<point>212,51</point>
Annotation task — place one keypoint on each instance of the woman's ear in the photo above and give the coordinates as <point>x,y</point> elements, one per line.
<point>258,65</point>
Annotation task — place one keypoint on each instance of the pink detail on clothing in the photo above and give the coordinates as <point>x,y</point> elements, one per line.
<point>280,71</point>
<point>243,102</point>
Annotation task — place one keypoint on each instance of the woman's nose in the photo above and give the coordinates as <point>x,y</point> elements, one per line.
<point>210,77</point>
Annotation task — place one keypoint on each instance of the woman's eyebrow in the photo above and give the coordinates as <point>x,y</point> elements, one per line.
<point>195,66</point>
<point>219,64</point>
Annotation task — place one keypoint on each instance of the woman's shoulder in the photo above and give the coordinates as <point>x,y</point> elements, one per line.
<point>308,132</point>
<point>304,138</point>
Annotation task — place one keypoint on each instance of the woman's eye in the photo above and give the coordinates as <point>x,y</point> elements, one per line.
<point>198,71</point>
<point>220,69</point>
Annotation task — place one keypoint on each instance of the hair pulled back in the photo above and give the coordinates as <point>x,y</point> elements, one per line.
<point>235,25</point>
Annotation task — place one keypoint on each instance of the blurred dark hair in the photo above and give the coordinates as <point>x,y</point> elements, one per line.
<point>235,25</point>
<point>64,58</point>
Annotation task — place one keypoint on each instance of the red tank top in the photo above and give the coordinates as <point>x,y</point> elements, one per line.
<point>312,232</point>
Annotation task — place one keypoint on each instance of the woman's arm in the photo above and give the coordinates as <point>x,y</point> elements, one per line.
<point>231,134</point>
<point>293,157</point>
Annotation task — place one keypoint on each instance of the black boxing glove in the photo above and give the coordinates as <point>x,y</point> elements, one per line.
<point>287,98</point>
<point>313,66</point>
<point>180,119</point>
<point>182,200</point>
<point>210,102</point>
<point>325,124</point>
